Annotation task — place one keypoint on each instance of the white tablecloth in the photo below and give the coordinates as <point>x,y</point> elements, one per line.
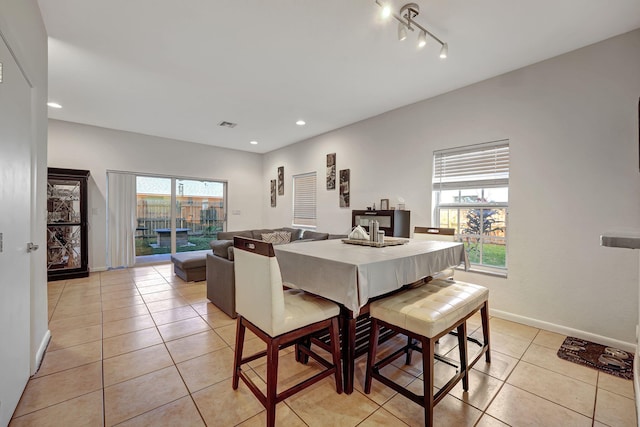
<point>351,274</point>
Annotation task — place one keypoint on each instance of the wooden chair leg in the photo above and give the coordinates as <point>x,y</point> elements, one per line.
<point>428,352</point>
<point>334,334</point>
<point>484,314</point>
<point>409,351</point>
<point>300,356</point>
<point>462,345</point>
<point>237,360</point>
<point>272,381</point>
<point>371,358</point>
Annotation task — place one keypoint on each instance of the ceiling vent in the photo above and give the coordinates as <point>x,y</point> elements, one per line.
<point>226,124</point>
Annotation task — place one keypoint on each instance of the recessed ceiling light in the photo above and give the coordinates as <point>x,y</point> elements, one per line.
<point>54,105</point>
<point>254,143</point>
<point>301,123</point>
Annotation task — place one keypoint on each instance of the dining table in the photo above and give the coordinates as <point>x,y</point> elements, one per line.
<point>353,274</point>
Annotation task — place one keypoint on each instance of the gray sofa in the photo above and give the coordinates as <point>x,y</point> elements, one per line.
<point>221,286</point>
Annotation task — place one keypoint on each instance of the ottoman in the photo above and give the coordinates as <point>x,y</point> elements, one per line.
<point>190,266</point>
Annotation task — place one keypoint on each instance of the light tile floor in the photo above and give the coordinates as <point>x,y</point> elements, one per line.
<point>140,347</point>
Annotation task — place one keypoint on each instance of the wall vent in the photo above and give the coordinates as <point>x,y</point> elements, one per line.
<point>226,124</point>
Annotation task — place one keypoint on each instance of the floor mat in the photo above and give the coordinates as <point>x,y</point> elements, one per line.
<point>607,359</point>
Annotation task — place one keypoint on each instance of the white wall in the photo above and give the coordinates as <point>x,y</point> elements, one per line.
<point>573,126</point>
<point>97,149</point>
<point>572,122</point>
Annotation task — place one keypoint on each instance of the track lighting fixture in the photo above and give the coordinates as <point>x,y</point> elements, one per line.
<point>406,21</point>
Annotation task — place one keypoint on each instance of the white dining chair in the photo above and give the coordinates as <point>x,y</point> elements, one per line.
<point>280,318</point>
<point>438,234</point>
<point>434,233</point>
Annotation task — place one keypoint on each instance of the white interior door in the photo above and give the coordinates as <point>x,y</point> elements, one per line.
<point>15,213</point>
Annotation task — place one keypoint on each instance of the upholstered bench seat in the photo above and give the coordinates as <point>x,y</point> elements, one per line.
<point>424,314</point>
<point>190,266</point>
<point>432,308</point>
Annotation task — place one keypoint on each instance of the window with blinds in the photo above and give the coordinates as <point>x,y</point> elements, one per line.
<point>471,195</point>
<point>483,165</point>
<point>304,199</point>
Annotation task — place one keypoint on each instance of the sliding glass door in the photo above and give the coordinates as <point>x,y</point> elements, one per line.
<point>198,214</point>
<point>153,232</point>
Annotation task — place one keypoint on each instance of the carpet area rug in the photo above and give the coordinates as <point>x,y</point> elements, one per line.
<point>606,359</point>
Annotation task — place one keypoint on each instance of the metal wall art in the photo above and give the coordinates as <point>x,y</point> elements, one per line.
<point>273,193</point>
<point>281,181</point>
<point>331,171</point>
<point>344,188</point>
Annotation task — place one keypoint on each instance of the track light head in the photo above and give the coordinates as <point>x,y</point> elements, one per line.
<point>444,51</point>
<point>422,39</point>
<point>402,31</point>
<point>386,11</point>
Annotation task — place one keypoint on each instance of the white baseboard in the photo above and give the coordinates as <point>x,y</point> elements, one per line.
<point>41,349</point>
<point>97,269</point>
<point>559,329</point>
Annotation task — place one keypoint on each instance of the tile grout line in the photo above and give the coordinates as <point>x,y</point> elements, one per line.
<point>541,397</point>
<point>203,315</point>
<point>595,399</point>
<point>175,365</point>
<point>104,401</point>
<point>504,382</point>
<point>164,342</point>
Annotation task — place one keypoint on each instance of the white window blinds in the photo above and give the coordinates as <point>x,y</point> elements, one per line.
<point>475,166</point>
<point>304,199</point>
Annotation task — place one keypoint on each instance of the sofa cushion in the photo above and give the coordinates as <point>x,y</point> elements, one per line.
<point>303,240</point>
<point>230,252</point>
<point>315,235</point>
<point>228,235</point>
<point>257,234</point>
<point>296,233</point>
<point>277,237</point>
<point>338,236</point>
<point>220,247</point>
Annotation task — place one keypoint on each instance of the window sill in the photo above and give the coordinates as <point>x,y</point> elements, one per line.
<point>485,271</point>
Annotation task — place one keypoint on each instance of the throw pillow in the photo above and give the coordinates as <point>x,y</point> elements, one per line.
<point>277,237</point>
<point>296,233</point>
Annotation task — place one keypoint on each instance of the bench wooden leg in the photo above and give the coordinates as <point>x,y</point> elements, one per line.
<point>484,313</point>
<point>462,344</point>
<point>428,354</point>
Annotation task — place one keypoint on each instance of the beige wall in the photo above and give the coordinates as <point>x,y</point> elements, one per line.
<point>97,149</point>
<point>572,122</point>
<point>573,127</point>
